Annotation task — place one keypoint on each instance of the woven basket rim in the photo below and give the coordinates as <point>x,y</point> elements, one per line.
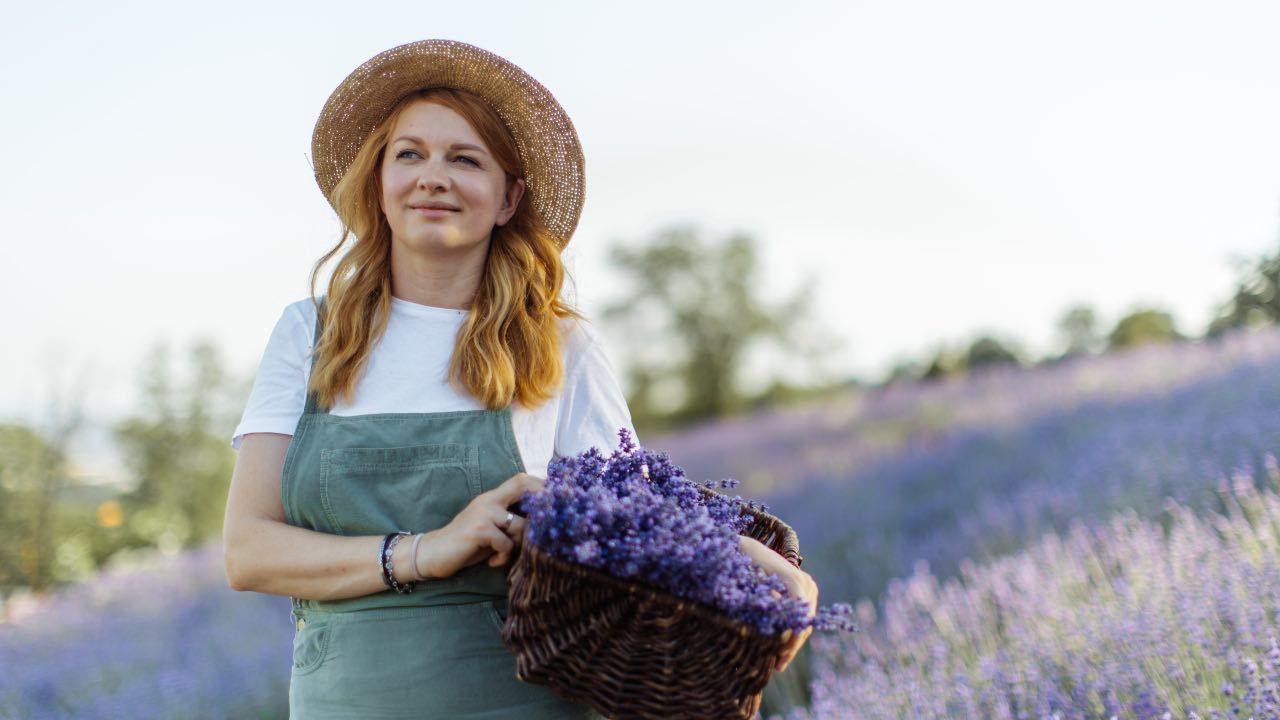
<point>700,609</point>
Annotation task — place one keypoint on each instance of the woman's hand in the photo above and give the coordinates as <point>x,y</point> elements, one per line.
<point>799,585</point>
<point>478,532</point>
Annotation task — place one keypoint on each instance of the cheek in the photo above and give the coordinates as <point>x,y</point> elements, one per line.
<point>483,192</point>
<point>395,184</point>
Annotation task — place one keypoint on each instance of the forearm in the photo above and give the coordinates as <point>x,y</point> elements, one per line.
<point>763,555</point>
<point>281,559</point>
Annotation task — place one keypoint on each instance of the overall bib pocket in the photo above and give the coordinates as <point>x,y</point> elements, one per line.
<point>370,491</point>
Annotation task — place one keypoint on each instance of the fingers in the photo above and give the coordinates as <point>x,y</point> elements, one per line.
<point>515,533</point>
<point>801,585</point>
<point>509,492</point>
<point>516,529</point>
<point>790,650</point>
<point>501,544</point>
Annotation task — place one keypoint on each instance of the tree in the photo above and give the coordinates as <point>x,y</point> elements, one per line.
<point>178,453</point>
<point>1256,300</point>
<point>944,363</point>
<point>987,350</point>
<point>982,351</point>
<point>690,316</point>
<point>30,470</point>
<point>33,473</point>
<point>1078,329</point>
<point>1143,326</point>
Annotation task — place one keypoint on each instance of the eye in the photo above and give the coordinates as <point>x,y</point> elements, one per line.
<point>402,153</point>
<point>468,158</point>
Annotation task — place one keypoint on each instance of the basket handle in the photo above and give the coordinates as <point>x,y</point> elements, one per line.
<point>778,536</point>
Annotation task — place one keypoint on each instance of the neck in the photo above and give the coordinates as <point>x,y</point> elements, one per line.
<point>446,281</point>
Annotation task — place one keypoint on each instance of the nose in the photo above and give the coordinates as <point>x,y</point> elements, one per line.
<point>433,176</point>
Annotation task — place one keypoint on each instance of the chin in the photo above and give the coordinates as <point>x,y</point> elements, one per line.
<point>448,241</point>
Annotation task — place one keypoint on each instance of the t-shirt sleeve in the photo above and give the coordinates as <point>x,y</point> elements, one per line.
<point>592,406</point>
<point>279,392</point>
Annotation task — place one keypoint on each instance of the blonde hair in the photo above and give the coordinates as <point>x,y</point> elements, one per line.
<point>508,349</point>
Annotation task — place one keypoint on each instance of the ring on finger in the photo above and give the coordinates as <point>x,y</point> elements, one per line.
<point>506,523</point>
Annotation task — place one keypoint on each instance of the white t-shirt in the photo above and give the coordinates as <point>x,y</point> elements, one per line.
<point>407,371</point>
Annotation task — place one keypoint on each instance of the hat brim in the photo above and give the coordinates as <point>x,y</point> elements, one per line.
<point>543,133</point>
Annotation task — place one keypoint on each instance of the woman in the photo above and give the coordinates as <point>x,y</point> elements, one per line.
<point>409,402</point>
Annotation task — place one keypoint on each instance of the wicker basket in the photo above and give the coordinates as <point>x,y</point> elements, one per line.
<point>632,651</point>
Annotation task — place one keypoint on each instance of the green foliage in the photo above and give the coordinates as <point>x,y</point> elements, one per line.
<point>30,470</point>
<point>1078,329</point>
<point>691,315</point>
<point>56,529</point>
<point>945,362</point>
<point>1256,300</point>
<point>989,351</point>
<point>1143,326</point>
<point>176,449</point>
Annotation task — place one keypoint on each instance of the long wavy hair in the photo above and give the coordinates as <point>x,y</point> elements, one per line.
<point>508,349</point>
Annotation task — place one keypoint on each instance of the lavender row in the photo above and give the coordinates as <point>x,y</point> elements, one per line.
<point>789,447</point>
<point>979,468</point>
<point>1134,619</point>
<point>166,639</point>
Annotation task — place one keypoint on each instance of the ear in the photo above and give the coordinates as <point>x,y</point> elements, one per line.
<point>515,191</point>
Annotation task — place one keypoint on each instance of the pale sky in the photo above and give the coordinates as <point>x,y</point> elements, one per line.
<point>939,168</point>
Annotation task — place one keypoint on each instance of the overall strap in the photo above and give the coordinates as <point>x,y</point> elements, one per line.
<point>313,404</point>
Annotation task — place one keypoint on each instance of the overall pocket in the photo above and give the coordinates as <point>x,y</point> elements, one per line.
<point>371,491</point>
<point>310,642</point>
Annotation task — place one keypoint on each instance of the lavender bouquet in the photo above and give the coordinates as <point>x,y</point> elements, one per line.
<point>635,516</point>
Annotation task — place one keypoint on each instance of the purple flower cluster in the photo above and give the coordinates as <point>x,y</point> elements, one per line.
<point>635,516</point>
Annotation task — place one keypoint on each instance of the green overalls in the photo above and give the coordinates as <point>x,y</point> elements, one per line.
<point>436,652</point>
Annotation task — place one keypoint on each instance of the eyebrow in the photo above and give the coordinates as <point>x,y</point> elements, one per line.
<point>456,146</point>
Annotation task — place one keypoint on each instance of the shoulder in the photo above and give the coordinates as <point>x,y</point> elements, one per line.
<point>583,349</point>
<point>293,336</point>
<point>592,406</point>
<point>297,322</point>
<point>302,313</point>
<point>577,336</point>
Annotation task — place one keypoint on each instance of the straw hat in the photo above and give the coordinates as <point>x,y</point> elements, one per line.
<point>545,137</point>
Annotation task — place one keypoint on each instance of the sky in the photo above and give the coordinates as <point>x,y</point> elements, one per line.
<point>934,170</point>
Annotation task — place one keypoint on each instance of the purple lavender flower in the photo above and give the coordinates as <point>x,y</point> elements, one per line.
<point>635,516</point>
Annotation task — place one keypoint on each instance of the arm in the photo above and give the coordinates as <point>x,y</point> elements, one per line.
<point>799,584</point>
<point>265,554</point>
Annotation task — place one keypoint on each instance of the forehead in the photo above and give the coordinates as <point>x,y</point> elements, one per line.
<point>433,123</point>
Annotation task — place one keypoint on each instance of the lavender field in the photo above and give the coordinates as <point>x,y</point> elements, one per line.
<point>1056,542</point>
<point>1132,619</point>
<point>982,466</point>
<point>164,639</point>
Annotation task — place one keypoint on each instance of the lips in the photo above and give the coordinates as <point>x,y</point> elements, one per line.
<point>433,206</point>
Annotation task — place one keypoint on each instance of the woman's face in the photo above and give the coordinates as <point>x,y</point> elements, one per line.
<point>442,192</point>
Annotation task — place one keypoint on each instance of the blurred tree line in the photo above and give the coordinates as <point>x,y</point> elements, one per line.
<point>55,528</point>
<point>691,314</point>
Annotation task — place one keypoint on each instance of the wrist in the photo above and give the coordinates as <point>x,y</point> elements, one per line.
<point>392,561</point>
<point>400,560</point>
<point>418,556</point>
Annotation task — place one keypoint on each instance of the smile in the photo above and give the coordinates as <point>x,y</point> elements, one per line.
<point>432,211</point>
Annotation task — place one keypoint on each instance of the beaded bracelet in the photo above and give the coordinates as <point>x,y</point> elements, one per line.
<point>388,570</point>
